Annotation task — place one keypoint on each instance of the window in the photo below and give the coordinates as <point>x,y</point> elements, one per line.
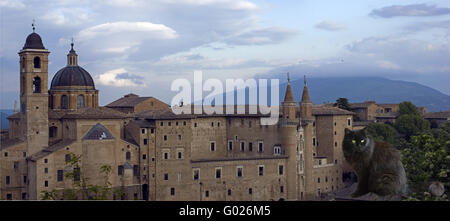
<point>240,171</point>
<point>250,191</point>
<point>76,174</point>
<point>260,147</point>
<point>37,62</point>
<point>212,146</point>
<point>179,137</point>
<point>24,196</point>
<point>64,102</point>
<point>196,174</point>
<point>144,156</point>
<point>179,176</point>
<point>184,123</point>
<point>180,155</point>
<point>169,123</point>
<point>195,124</point>
<point>172,191</point>
<point>230,145</point>
<point>60,175</point>
<point>280,169</point>
<point>37,85</point>
<point>80,101</point>
<point>9,196</point>
<point>152,130</point>
<point>281,189</point>
<point>165,137</point>
<point>276,150</point>
<point>335,161</point>
<point>128,155</point>
<point>166,176</point>
<point>250,146</point>
<point>176,123</point>
<point>326,179</point>
<point>46,183</point>
<point>24,154</point>
<point>45,170</point>
<point>145,141</point>
<point>135,170</point>
<point>235,138</point>
<point>349,121</point>
<point>120,170</point>
<point>16,164</point>
<point>218,173</point>
<point>229,192</point>
<point>314,141</point>
<point>143,131</point>
<point>335,144</point>
<point>212,124</point>
<point>24,179</point>
<point>218,124</point>
<point>166,156</point>
<point>45,160</point>
<point>261,170</point>
<point>318,180</point>
<point>8,180</point>
<point>207,193</point>
<point>242,146</point>
<point>161,124</point>
<point>67,157</point>
<point>52,131</point>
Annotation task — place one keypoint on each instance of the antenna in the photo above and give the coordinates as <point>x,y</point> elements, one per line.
<point>289,79</point>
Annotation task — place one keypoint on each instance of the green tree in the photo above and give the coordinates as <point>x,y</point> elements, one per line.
<point>410,125</point>
<point>408,108</point>
<point>425,160</point>
<point>381,132</point>
<point>343,104</point>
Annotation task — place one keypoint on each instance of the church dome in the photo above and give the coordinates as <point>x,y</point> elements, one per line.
<point>72,76</point>
<point>33,41</point>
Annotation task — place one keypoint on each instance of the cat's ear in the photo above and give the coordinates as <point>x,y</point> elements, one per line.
<point>347,131</point>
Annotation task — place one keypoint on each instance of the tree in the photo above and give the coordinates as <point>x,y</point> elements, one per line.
<point>80,186</point>
<point>410,125</point>
<point>381,132</point>
<point>343,104</point>
<point>408,108</point>
<point>425,160</point>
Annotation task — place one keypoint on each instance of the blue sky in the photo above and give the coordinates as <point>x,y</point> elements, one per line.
<point>142,46</point>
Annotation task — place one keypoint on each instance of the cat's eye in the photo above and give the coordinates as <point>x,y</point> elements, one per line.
<point>353,141</point>
<point>362,141</point>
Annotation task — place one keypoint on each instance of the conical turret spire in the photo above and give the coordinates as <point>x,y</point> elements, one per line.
<point>288,97</point>
<point>305,95</point>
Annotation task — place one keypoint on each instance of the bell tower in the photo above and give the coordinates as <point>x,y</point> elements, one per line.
<point>34,93</point>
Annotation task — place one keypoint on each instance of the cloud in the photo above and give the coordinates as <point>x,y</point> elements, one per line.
<point>151,30</point>
<point>13,4</point>
<point>120,78</point>
<point>229,4</point>
<point>263,36</point>
<point>67,16</point>
<point>409,10</point>
<point>330,26</point>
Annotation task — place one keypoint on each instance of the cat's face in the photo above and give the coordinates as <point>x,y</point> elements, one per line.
<point>355,140</point>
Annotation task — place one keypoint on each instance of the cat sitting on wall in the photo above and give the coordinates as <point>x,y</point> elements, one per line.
<point>377,165</point>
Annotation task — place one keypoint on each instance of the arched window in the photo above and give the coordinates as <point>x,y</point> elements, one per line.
<point>37,85</point>
<point>37,62</point>
<point>64,102</point>
<point>80,101</point>
<point>276,150</point>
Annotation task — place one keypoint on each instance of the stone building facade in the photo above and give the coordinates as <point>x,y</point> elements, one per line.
<point>157,155</point>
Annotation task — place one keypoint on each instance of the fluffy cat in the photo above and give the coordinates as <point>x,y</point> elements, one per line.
<point>377,165</point>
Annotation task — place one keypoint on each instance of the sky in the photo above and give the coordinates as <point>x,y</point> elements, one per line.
<point>142,46</point>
